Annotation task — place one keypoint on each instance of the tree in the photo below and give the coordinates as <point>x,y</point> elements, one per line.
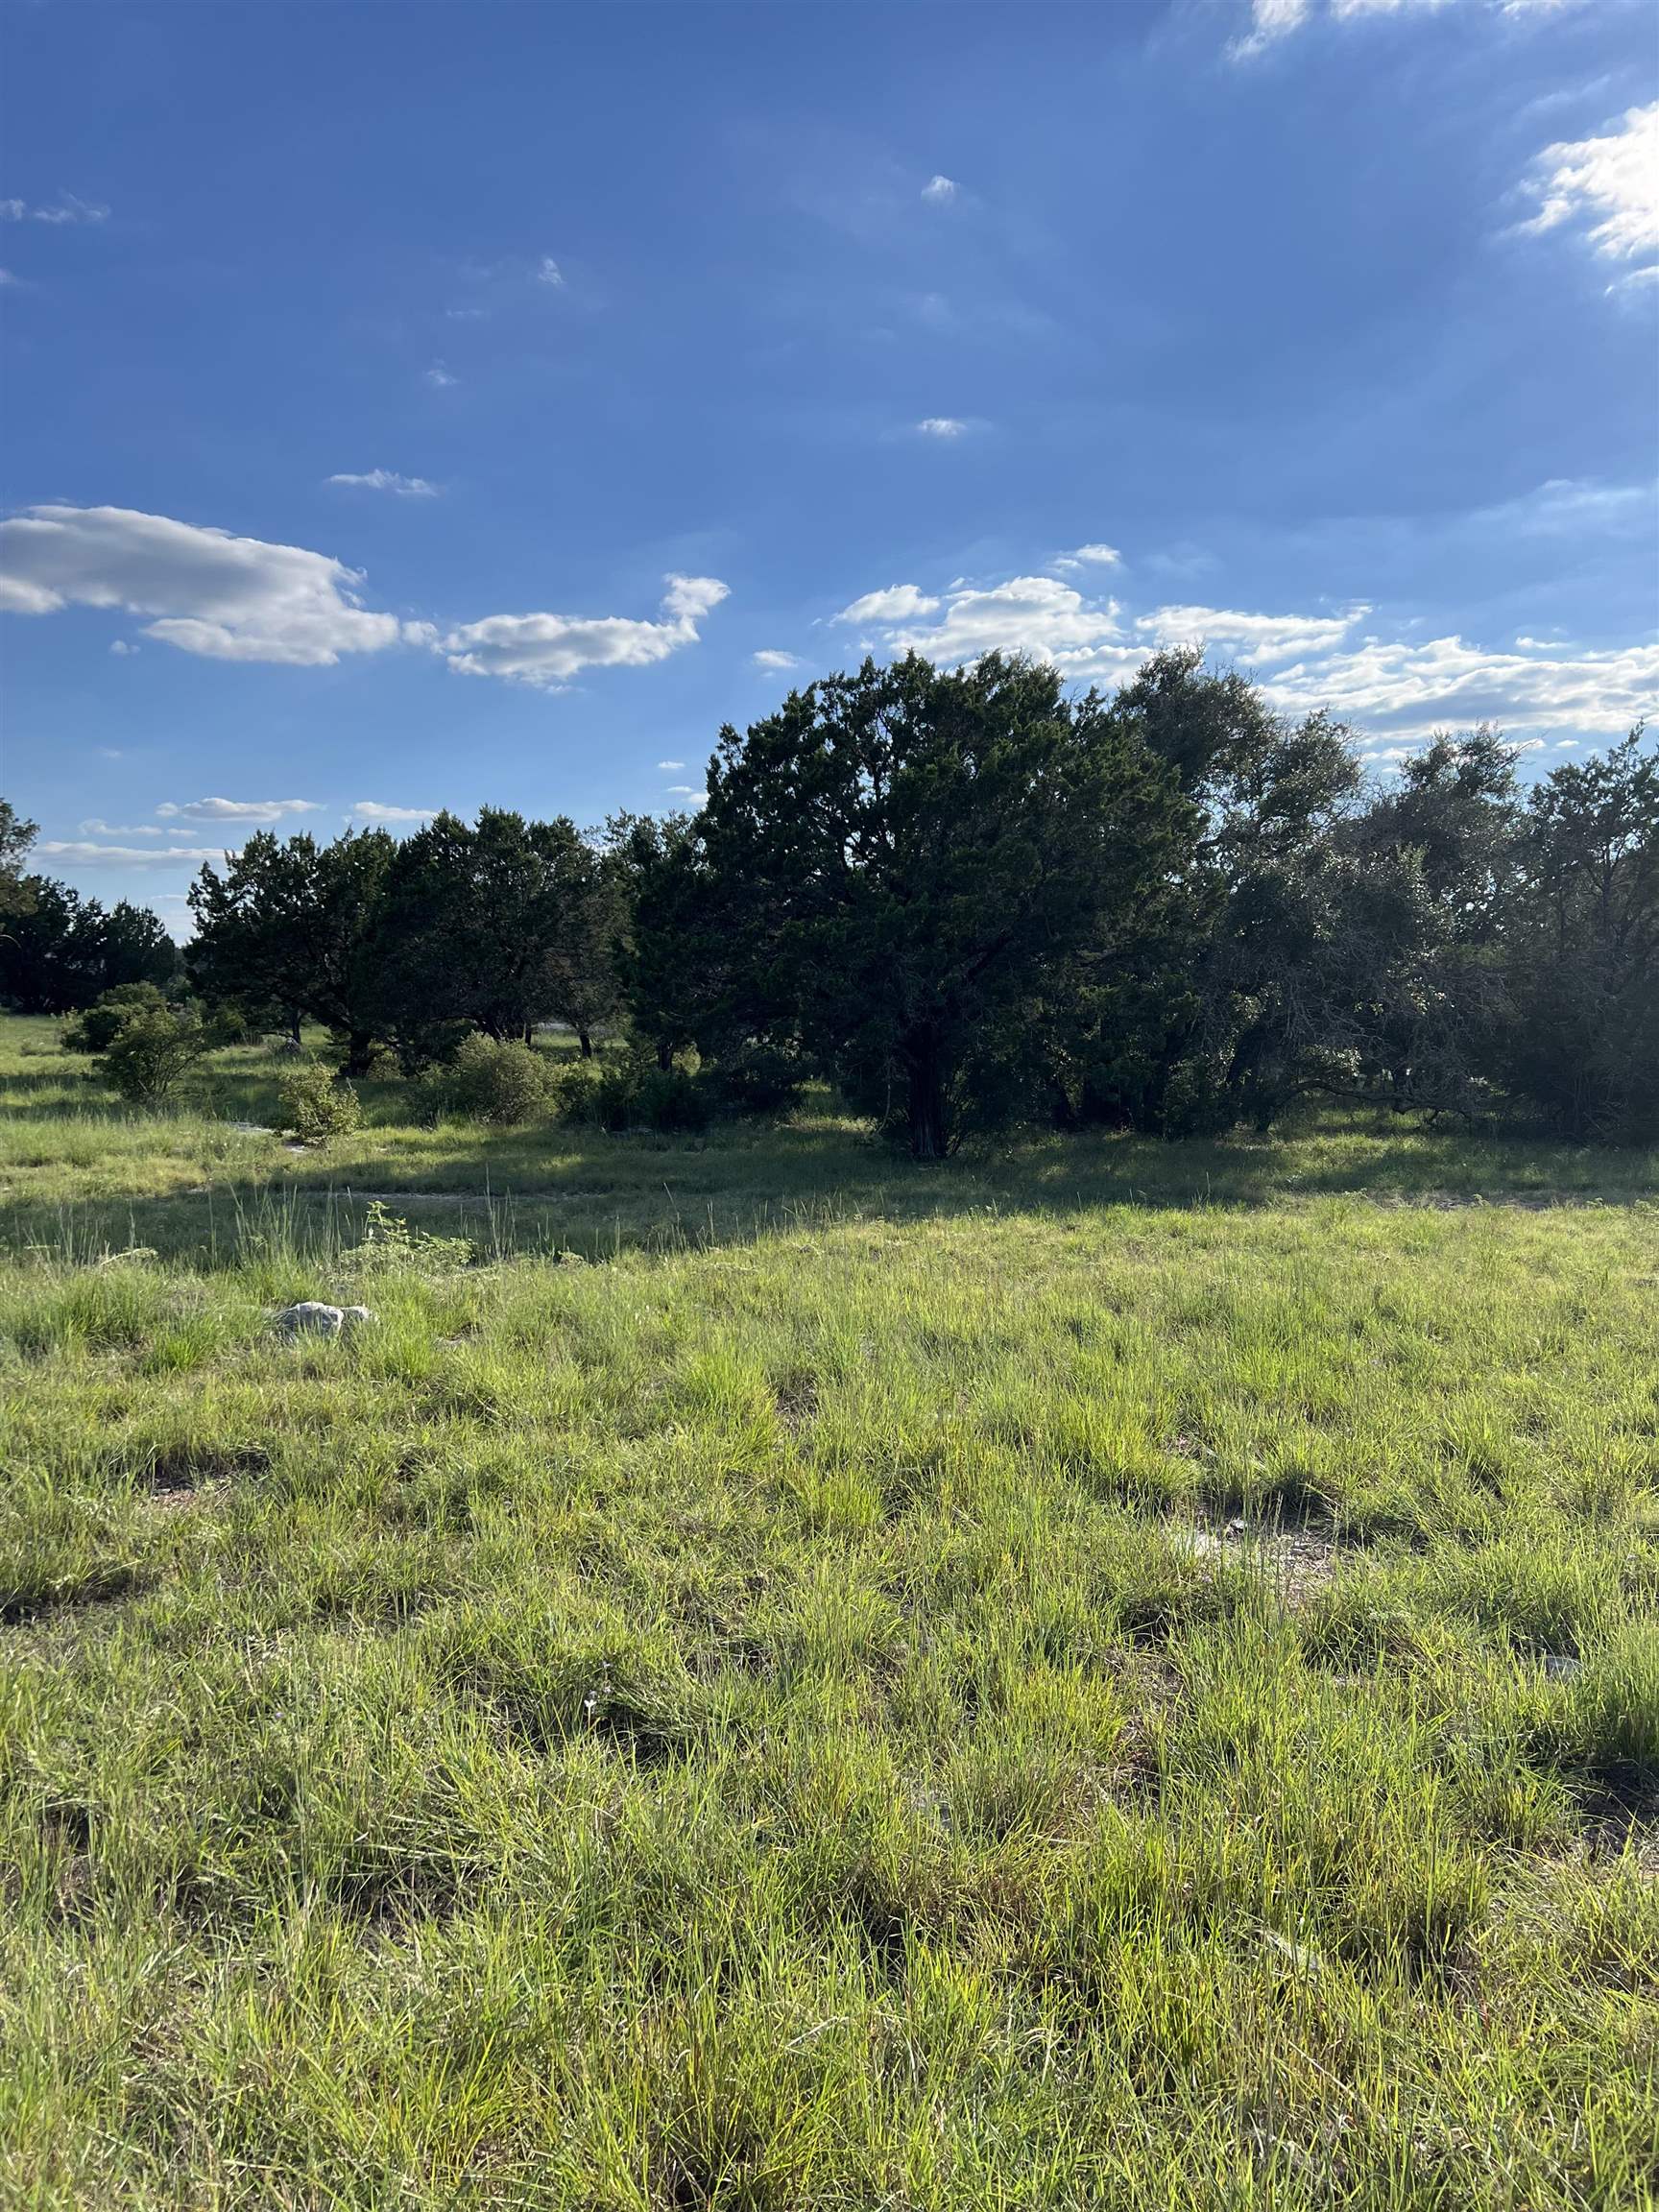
<point>17,836</point>
<point>299,925</point>
<point>673,949</point>
<point>59,951</point>
<point>1581,929</point>
<point>921,855</point>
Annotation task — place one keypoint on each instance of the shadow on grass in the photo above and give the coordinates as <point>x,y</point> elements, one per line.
<point>574,1190</point>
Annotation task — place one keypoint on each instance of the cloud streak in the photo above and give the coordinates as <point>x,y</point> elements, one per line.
<point>546,650</point>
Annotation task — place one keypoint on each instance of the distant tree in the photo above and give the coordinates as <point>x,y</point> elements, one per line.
<point>921,854</point>
<point>17,836</point>
<point>498,925</point>
<point>676,949</point>
<point>59,951</point>
<point>299,925</point>
<point>1581,933</point>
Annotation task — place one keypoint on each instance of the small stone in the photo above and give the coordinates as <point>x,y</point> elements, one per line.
<point>311,1317</point>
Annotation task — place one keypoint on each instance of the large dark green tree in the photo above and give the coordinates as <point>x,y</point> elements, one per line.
<point>920,855</point>
<point>298,926</point>
<point>1581,947</point>
<point>60,951</point>
<point>498,925</point>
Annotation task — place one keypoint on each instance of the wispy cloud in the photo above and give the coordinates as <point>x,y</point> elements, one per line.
<point>941,426</point>
<point>88,853</point>
<point>940,191</point>
<point>1611,185</point>
<point>67,207</point>
<point>388,480</point>
<point>236,810</point>
<point>97,829</point>
<point>438,377</point>
<point>548,271</point>
<point>668,767</point>
<point>374,811</point>
<point>546,650</point>
<point>770,656</point>
<point>894,603</point>
<point>1087,557</point>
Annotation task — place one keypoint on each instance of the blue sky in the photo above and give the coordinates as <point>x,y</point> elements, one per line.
<point>431,405</point>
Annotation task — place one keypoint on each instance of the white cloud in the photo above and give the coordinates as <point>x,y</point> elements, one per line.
<point>372,810</point>
<point>941,426</point>
<point>1403,686</point>
<point>685,791</point>
<point>770,656</point>
<point>898,603</point>
<point>1253,638</point>
<point>438,377</point>
<point>209,593</point>
<point>548,649</point>
<point>467,314</point>
<point>940,191</point>
<point>96,828</point>
<point>1272,19</point>
<point>236,810</point>
<point>1611,183</point>
<point>668,767</point>
<point>121,647</point>
<point>1087,557</point>
<point>130,856</point>
<point>67,209</point>
<point>388,480</point>
<point>550,272</point>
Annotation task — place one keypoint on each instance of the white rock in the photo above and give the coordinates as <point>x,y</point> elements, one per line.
<point>311,1317</point>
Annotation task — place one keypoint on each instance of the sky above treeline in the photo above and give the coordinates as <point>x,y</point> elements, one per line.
<point>419,406</point>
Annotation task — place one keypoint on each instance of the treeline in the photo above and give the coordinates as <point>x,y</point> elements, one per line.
<point>968,899</point>
<point>59,951</point>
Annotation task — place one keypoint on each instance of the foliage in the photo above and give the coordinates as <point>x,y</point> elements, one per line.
<point>153,1048</point>
<point>98,1027</point>
<point>922,856</point>
<point>59,952</point>
<point>317,1104</point>
<point>503,1082</point>
<point>297,925</point>
<point>17,836</point>
<point>633,1093</point>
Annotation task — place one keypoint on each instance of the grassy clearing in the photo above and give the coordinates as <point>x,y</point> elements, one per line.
<point>1096,1676</point>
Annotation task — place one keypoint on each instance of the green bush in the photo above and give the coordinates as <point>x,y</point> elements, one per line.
<point>758,1077</point>
<point>575,1089</point>
<point>632,1095</point>
<point>98,1027</point>
<point>152,1048</point>
<point>317,1105</point>
<point>503,1083</point>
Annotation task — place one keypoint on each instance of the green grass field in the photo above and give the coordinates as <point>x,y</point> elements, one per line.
<point>1100,1674</point>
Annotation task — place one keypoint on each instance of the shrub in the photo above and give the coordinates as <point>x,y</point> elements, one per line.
<point>575,1089</point>
<point>758,1077</point>
<point>503,1083</point>
<point>317,1105</point>
<point>152,1048</point>
<point>99,1026</point>
<point>628,1096</point>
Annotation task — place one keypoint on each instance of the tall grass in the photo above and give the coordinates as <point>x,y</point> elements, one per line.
<point>921,1692</point>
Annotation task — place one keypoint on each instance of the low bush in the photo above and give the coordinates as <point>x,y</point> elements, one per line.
<point>505,1083</point>
<point>632,1095</point>
<point>317,1104</point>
<point>153,1048</point>
<point>98,1027</point>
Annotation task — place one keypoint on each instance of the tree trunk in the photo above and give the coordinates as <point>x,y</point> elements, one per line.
<point>924,1103</point>
<point>294,1026</point>
<point>587,1044</point>
<point>360,1052</point>
<point>665,1055</point>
